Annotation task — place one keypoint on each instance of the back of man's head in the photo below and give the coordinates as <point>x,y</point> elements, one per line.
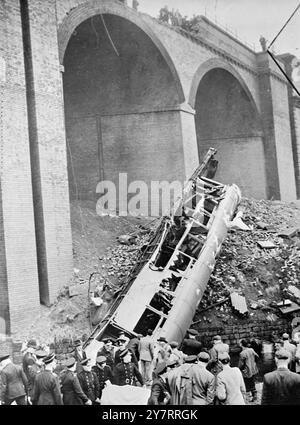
<point>224,358</point>
<point>245,343</point>
<point>282,357</point>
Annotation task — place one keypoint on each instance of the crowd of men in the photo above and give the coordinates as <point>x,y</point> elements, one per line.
<point>190,375</point>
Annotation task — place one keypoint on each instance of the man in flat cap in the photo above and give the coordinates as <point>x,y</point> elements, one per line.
<point>14,383</point>
<point>126,372</point>
<point>70,386</point>
<point>281,387</point>
<point>89,382</point>
<point>214,365</point>
<point>104,374</point>
<point>108,351</point>
<point>46,385</point>
<point>230,389</point>
<point>176,353</point>
<point>190,345</point>
<point>191,383</point>
<point>160,394</point>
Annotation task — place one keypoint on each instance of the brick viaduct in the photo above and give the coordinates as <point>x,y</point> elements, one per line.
<point>92,88</point>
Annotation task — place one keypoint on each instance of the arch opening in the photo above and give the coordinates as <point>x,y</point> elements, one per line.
<point>120,99</point>
<point>227,120</point>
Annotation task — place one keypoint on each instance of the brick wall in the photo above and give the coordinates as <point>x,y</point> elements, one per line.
<point>49,162</point>
<point>226,120</point>
<point>19,293</point>
<point>231,334</point>
<point>296,114</point>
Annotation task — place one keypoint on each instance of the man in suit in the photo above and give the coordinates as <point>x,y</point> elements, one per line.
<point>230,388</point>
<point>29,357</point>
<point>14,383</point>
<point>281,387</point>
<point>133,344</point>
<point>219,347</point>
<point>46,385</point>
<point>146,350</point>
<point>79,355</point>
<point>103,373</point>
<point>191,383</point>
<point>33,368</point>
<point>70,386</point>
<point>160,394</point>
<point>190,345</point>
<point>126,372</point>
<point>247,365</point>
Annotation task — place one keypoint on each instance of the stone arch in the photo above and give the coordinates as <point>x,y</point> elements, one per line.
<point>92,8</point>
<point>122,100</point>
<point>214,63</point>
<point>228,119</point>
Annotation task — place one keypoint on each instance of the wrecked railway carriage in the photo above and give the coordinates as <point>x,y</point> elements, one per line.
<point>167,283</point>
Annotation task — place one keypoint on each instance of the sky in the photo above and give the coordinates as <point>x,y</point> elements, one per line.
<point>248,18</point>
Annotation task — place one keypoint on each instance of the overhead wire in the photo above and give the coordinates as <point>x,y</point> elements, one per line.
<point>275,38</point>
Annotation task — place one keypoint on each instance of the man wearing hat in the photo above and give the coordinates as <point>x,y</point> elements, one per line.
<point>163,351</point>
<point>291,348</point>
<point>176,353</point>
<point>133,345</point>
<point>34,367</point>
<point>281,387</point>
<point>108,351</point>
<point>191,383</point>
<point>29,357</point>
<point>14,383</point>
<point>160,394</point>
<point>46,386</point>
<point>79,354</point>
<point>190,345</point>
<point>126,372</point>
<point>103,373</point>
<point>70,386</point>
<point>214,365</point>
<point>247,365</point>
<point>230,388</point>
<point>89,382</point>
<point>122,342</point>
<point>146,349</point>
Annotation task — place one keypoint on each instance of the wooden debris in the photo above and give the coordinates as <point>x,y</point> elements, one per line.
<point>266,244</point>
<point>239,303</point>
<point>294,291</point>
<point>288,233</point>
<point>73,291</point>
<point>262,225</point>
<point>293,307</point>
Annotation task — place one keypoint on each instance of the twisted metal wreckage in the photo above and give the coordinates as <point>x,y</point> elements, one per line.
<point>166,285</point>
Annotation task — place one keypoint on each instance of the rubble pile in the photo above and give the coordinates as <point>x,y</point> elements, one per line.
<point>264,276</point>
<point>261,275</point>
